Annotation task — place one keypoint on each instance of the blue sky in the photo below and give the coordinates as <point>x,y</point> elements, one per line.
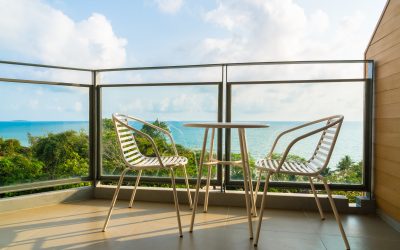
<point>100,33</point>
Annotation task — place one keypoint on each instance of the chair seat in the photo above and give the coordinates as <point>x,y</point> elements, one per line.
<point>288,167</point>
<point>168,161</point>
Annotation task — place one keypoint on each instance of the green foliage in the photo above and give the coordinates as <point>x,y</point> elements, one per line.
<point>344,163</point>
<point>64,154</point>
<point>11,147</point>
<point>154,133</point>
<point>17,168</point>
<point>112,157</point>
<point>347,171</point>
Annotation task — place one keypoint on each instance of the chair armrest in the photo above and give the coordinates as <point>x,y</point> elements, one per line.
<point>294,129</point>
<point>297,139</point>
<point>159,129</point>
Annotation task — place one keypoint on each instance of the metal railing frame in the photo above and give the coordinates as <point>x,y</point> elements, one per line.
<point>224,92</point>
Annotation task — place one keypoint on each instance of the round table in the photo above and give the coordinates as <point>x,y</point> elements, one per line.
<point>240,126</point>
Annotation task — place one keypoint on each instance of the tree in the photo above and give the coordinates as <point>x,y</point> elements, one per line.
<point>154,133</point>
<point>17,168</point>
<point>11,147</point>
<point>344,163</point>
<point>60,151</point>
<point>112,157</point>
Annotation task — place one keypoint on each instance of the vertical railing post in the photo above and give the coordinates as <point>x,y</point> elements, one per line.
<point>369,115</point>
<point>220,131</point>
<point>99,127</point>
<point>228,118</point>
<point>93,128</point>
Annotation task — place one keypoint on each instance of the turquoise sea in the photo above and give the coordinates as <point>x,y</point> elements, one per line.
<point>350,141</point>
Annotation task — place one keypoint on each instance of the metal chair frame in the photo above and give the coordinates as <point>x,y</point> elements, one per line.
<point>312,168</point>
<point>135,161</point>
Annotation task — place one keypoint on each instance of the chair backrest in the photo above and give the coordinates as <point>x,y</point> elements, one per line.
<point>323,151</point>
<point>129,148</point>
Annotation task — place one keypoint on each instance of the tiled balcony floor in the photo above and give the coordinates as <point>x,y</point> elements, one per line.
<point>153,226</point>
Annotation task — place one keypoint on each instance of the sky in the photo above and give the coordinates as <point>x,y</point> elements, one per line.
<point>122,33</point>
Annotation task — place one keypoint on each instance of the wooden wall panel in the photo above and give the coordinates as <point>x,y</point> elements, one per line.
<point>387,125</point>
<point>388,55</point>
<point>388,208</point>
<point>382,45</point>
<point>389,167</point>
<point>384,49</point>
<point>387,69</point>
<point>388,111</point>
<point>388,83</point>
<point>387,139</point>
<point>387,97</point>
<point>387,27</point>
<point>388,16</point>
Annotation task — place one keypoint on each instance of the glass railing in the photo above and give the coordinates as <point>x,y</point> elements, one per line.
<point>44,127</point>
<point>55,132</point>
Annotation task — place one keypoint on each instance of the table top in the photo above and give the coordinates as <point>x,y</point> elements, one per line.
<point>225,125</point>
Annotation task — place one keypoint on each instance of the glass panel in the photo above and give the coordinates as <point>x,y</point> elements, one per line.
<point>178,75</point>
<point>43,133</point>
<point>286,106</point>
<point>45,74</point>
<point>165,106</point>
<point>283,72</point>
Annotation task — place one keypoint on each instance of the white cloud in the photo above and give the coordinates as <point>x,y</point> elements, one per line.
<point>169,6</point>
<point>228,18</point>
<point>260,30</point>
<point>33,28</point>
<point>275,30</point>
<point>319,21</point>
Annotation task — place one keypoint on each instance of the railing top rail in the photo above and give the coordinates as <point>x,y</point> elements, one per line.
<point>43,66</point>
<point>299,62</point>
<point>234,64</point>
<point>188,66</point>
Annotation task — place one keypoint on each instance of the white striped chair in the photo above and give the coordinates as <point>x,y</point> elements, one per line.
<point>136,161</point>
<point>312,168</point>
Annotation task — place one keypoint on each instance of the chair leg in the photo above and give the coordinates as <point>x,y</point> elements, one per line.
<point>206,195</point>
<point>176,202</point>
<point>257,186</point>
<point>335,212</point>
<point>187,187</point>
<point>253,202</point>
<point>196,194</point>
<point>136,186</point>
<point>121,178</point>
<point>316,199</point>
<point>264,197</point>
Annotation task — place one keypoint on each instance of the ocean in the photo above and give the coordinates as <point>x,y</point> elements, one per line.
<point>350,141</point>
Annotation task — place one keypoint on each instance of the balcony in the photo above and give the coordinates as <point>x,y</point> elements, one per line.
<point>76,221</point>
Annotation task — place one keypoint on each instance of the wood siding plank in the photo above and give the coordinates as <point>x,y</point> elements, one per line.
<point>388,111</point>
<point>388,83</point>
<point>387,97</point>
<point>389,23</point>
<point>388,208</point>
<point>387,56</point>
<point>382,45</point>
<point>387,125</point>
<point>388,153</point>
<point>387,139</point>
<point>389,167</point>
<point>388,69</point>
